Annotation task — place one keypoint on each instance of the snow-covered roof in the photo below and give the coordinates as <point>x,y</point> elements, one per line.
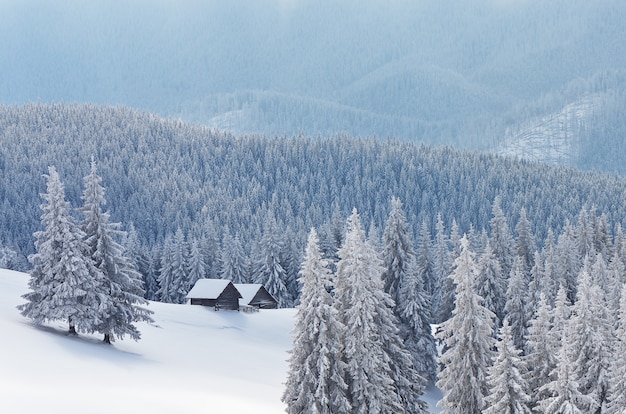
<point>207,288</point>
<point>247,290</point>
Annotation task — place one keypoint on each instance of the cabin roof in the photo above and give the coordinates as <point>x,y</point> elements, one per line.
<point>208,288</point>
<point>248,291</point>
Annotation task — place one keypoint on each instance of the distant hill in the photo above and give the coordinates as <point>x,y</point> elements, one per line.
<point>473,74</point>
<point>162,174</point>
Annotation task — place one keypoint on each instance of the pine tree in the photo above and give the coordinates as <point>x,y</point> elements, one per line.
<point>64,283</point>
<point>378,369</point>
<point>447,284</point>
<point>540,357</point>
<point>179,286</point>
<point>316,378</point>
<point>441,268</point>
<point>425,265</point>
<point>267,266</point>
<point>412,306</point>
<point>233,261</point>
<point>525,245</point>
<point>591,339</point>
<point>617,375</point>
<point>509,389</point>
<point>491,283</point>
<point>196,267</point>
<point>121,282</point>
<point>517,306</point>
<point>165,279</point>
<point>502,241</point>
<point>468,342</point>
<point>562,393</point>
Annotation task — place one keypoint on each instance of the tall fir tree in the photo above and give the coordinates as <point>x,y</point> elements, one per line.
<point>491,283</point>
<point>517,308</point>
<point>64,282</point>
<point>509,392</point>
<point>468,342</point>
<point>502,241</point>
<point>267,264</point>
<point>405,273</point>
<point>378,368</point>
<point>540,356</point>
<point>617,374</point>
<point>196,267</point>
<point>441,267</point>
<point>233,261</point>
<point>591,339</point>
<point>316,381</point>
<point>122,284</point>
<point>525,245</point>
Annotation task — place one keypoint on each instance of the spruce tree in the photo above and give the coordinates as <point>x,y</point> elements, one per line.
<point>502,241</point>
<point>121,282</point>
<point>64,282</point>
<point>441,267</point>
<point>509,389</point>
<point>617,374</point>
<point>197,268</point>
<point>378,368</point>
<point>233,261</point>
<point>517,308</point>
<point>468,342</point>
<point>267,265</point>
<point>316,381</point>
<point>491,283</point>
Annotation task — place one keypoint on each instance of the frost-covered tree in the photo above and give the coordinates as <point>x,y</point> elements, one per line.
<point>441,267</point>
<point>378,368</point>
<point>525,244</point>
<point>64,282</point>
<point>509,393</point>
<point>165,278</point>
<point>447,284</point>
<point>502,241</point>
<point>517,308</point>
<point>468,342</point>
<point>617,371</point>
<point>403,271</point>
<point>179,285</point>
<point>540,354</point>
<point>121,284</point>
<point>425,263</point>
<point>398,251</point>
<point>267,266</point>
<point>562,395</point>
<point>490,283</point>
<point>233,261</point>
<point>591,338</point>
<point>316,381</point>
<point>196,267</point>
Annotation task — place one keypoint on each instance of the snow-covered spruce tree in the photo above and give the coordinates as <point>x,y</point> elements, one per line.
<point>233,261</point>
<point>502,241</point>
<point>165,280</point>
<point>491,283</point>
<point>525,245</point>
<point>316,381</point>
<point>412,305</point>
<point>447,284</point>
<point>196,268</point>
<point>562,395</point>
<point>425,263</point>
<point>267,267</point>
<point>617,371</point>
<point>468,342</point>
<point>517,308</point>
<point>379,372</point>
<point>122,284</point>
<point>508,387</point>
<point>179,286</point>
<point>540,356</point>
<point>64,282</point>
<point>617,273</point>
<point>591,338</point>
<point>441,266</point>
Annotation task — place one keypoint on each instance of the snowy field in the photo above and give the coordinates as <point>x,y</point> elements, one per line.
<point>192,359</point>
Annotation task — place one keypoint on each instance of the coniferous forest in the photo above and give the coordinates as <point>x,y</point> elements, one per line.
<point>525,258</point>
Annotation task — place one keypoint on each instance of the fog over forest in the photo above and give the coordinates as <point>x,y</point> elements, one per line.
<point>540,80</point>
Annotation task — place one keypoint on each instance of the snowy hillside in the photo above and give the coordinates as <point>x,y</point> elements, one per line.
<point>190,359</point>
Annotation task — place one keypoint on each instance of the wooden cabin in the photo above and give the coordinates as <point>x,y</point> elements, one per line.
<point>255,295</point>
<point>218,293</point>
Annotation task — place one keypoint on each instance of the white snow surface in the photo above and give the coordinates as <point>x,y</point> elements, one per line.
<point>191,359</point>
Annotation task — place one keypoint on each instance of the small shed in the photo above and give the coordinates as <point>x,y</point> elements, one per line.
<point>255,294</point>
<point>219,293</point>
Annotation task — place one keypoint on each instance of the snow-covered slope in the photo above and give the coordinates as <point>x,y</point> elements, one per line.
<point>192,359</point>
<point>550,138</point>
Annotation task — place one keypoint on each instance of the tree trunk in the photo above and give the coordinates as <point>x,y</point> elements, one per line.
<point>107,338</point>
<point>72,330</point>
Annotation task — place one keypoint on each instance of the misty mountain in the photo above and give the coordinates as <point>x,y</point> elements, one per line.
<point>481,74</point>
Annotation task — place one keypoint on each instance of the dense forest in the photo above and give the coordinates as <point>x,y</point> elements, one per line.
<point>485,74</point>
<point>164,175</point>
